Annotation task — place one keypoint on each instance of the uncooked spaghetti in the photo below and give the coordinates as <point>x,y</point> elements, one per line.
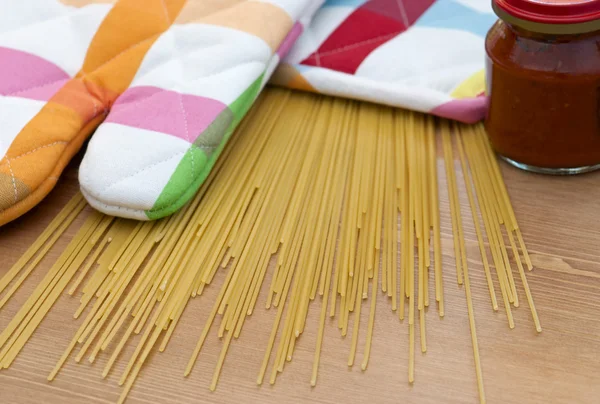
<point>334,199</point>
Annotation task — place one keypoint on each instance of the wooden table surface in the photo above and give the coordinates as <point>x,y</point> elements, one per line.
<point>560,220</point>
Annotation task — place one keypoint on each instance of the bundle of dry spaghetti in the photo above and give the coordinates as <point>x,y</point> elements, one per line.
<point>333,199</point>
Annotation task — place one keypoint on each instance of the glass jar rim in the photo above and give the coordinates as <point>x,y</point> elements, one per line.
<point>552,11</point>
<point>547,24</point>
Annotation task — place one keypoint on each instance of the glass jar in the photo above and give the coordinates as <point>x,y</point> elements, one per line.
<point>543,84</point>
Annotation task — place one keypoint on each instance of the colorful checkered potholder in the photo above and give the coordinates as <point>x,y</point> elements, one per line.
<point>425,55</point>
<point>163,83</point>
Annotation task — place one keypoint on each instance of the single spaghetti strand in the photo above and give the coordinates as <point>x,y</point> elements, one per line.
<point>435,213</point>
<point>411,234</point>
<point>215,379</point>
<point>371,323</point>
<point>474,342</point>
<point>386,270</point>
<point>411,353</point>
<point>422,331</point>
<point>420,273</point>
<point>406,222</point>
<point>362,277</point>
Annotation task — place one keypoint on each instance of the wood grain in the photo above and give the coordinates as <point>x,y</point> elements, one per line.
<point>560,220</point>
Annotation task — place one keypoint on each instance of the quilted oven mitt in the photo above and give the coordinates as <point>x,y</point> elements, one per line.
<point>171,79</point>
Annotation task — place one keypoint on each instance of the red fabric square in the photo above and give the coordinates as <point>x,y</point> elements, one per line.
<point>368,27</point>
<point>405,11</point>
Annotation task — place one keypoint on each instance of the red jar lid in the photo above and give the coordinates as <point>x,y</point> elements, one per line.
<point>552,11</point>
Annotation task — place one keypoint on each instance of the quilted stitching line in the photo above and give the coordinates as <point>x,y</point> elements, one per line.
<point>107,206</point>
<point>203,147</point>
<point>187,133</point>
<point>14,183</point>
<point>94,102</point>
<point>209,148</point>
<point>35,150</point>
<point>354,45</point>
<point>177,56</point>
<point>128,105</point>
<point>166,10</point>
<point>28,24</point>
<point>135,45</point>
<point>141,170</point>
<point>318,59</point>
<point>142,100</point>
<point>196,51</point>
<point>403,12</point>
<point>12,174</point>
<point>316,46</point>
<point>20,91</point>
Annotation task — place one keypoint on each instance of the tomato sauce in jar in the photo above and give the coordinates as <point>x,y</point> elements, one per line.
<point>543,84</point>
